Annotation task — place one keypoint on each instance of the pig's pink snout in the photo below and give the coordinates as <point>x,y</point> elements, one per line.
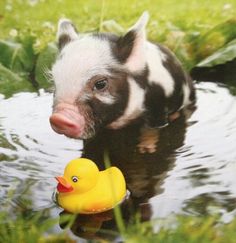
<point>67,122</point>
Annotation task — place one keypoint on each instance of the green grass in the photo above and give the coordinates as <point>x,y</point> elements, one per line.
<point>37,228</point>
<point>41,17</point>
<point>32,227</point>
<point>193,30</point>
<point>172,22</point>
<point>186,229</point>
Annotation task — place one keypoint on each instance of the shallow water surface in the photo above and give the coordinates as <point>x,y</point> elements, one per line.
<point>192,172</point>
<point>31,154</point>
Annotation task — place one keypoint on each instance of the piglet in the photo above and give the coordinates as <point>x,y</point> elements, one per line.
<point>107,81</point>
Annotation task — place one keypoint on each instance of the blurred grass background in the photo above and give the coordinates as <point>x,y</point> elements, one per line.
<point>41,16</point>
<point>192,29</point>
<point>169,19</point>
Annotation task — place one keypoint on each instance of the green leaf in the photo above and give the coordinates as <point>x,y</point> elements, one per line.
<point>216,38</point>
<point>222,56</point>
<point>7,75</point>
<point>44,63</point>
<point>11,83</point>
<point>28,42</point>
<point>15,57</point>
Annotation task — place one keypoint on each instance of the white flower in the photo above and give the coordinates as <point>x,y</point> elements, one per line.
<point>13,32</point>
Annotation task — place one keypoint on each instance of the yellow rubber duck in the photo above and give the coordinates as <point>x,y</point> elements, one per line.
<point>86,190</point>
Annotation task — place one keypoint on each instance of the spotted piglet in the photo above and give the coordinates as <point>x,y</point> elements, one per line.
<point>107,81</point>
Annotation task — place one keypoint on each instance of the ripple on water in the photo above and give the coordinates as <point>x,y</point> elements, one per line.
<point>205,166</point>
<point>29,149</point>
<point>203,171</point>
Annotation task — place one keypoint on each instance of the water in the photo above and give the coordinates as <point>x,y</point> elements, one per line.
<point>193,171</point>
<point>31,155</point>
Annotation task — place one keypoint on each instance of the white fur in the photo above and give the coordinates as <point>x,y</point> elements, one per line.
<point>134,107</point>
<point>186,91</point>
<point>158,74</point>
<point>72,71</point>
<point>106,98</point>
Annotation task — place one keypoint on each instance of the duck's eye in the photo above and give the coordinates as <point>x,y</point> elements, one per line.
<point>100,85</point>
<point>74,178</point>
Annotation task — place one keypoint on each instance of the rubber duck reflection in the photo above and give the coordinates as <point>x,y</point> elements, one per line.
<point>90,226</point>
<point>101,225</point>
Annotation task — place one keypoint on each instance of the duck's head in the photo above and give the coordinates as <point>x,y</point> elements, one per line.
<point>80,175</point>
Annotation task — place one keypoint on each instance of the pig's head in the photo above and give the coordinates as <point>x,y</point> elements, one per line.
<point>94,79</point>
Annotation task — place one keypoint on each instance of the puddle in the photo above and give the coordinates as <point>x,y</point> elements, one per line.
<point>192,172</point>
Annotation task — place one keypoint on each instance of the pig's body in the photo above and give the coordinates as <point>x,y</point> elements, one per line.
<point>103,80</point>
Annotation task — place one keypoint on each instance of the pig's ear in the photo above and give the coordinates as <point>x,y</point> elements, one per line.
<point>66,32</point>
<point>131,47</point>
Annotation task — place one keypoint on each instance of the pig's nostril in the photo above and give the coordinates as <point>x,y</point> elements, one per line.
<point>63,125</point>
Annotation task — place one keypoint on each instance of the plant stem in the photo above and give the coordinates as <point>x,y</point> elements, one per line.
<point>117,210</point>
<point>102,15</point>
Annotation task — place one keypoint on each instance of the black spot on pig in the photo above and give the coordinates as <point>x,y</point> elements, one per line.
<point>121,46</point>
<point>156,106</point>
<point>124,46</point>
<point>180,77</point>
<point>63,40</point>
<point>142,77</point>
<point>118,87</point>
<point>172,64</point>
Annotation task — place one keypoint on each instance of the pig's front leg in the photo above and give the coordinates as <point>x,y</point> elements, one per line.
<point>148,140</point>
<point>149,136</point>
<point>156,117</point>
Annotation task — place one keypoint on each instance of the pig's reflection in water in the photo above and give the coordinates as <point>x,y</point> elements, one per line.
<point>144,173</point>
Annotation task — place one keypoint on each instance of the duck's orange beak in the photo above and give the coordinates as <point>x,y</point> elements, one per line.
<point>63,185</point>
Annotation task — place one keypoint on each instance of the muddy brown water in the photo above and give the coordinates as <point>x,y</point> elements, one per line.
<point>193,172</point>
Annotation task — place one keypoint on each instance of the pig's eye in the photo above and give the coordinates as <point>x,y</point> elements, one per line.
<point>100,84</point>
<point>74,178</point>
